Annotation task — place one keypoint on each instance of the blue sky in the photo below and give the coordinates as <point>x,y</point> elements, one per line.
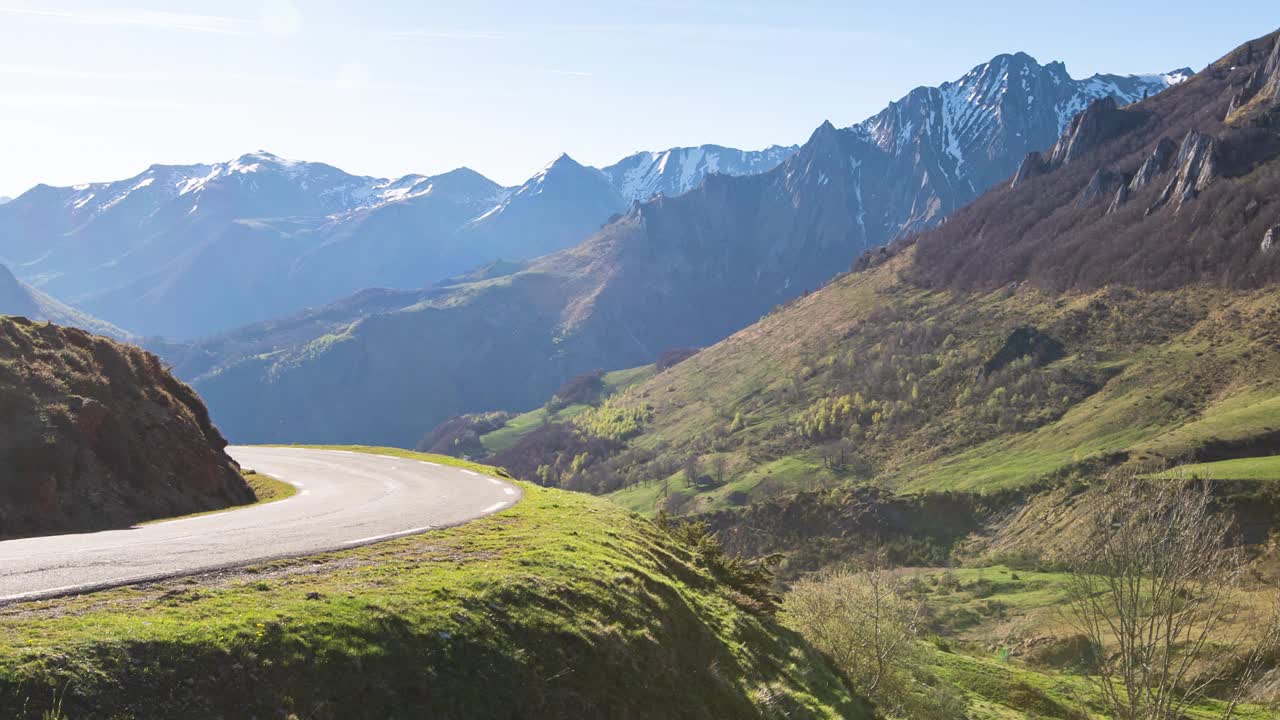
<point>99,90</point>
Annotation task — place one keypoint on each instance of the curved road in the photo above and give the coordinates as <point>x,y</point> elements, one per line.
<point>344,499</point>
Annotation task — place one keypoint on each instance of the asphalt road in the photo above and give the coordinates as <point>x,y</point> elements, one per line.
<point>344,499</point>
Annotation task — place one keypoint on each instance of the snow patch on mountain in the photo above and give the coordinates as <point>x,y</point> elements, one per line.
<point>998,103</point>
<point>645,175</point>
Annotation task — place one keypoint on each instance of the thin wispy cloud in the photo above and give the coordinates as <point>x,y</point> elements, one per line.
<point>449,34</point>
<point>184,22</point>
<point>47,101</point>
<point>61,73</point>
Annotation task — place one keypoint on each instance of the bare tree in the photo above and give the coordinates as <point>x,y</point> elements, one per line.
<point>868,626</point>
<point>1155,590</point>
<point>692,471</point>
<point>719,466</point>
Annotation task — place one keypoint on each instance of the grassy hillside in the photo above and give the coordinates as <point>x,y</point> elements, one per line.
<point>520,426</point>
<point>872,379</point>
<point>563,606</point>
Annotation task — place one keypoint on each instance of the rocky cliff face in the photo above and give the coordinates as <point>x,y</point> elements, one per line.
<point>95,435</point>
<point>1261,87</point>
<point>1100,122</point>
<point>1195,169</point>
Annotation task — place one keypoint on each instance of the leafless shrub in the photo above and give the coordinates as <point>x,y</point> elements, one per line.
<point>1155,588</point>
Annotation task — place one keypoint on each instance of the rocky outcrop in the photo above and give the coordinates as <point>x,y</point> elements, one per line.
<point>1270,79</point>
<point>1154,166</point>
<point>1100,123</point>
<point>1102,184</point>
<point>1262,86</point>
<point>1195,169</point>
<point>1103,120</point>
<point>95,434</point>
<point>1118,201</point>
<point>1033,165</point>
<point>1269,240</point>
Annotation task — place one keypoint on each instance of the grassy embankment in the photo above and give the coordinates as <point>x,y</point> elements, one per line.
<point>562,606</point>
<point>266,489</point>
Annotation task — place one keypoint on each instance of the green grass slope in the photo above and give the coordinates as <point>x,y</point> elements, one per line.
<point>874,380</point>
<point>518,427</point>
<point>1253,468</point>
<point>563,606</point>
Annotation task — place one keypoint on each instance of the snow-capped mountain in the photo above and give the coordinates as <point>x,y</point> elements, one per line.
<point>190,250</point>
<point>678,270</point>
<point>936,149</point>
<point>288,234</point>
<point>646,175</point>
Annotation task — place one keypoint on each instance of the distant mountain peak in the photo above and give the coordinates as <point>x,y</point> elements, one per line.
<point>1013,59</point>
<point>265,156</point>
<point>460,173</point>
<point>464,182</point>
<point>254,161</point>
<point>564,161</point>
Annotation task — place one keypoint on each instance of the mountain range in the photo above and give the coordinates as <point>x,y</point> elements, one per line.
<point>677,270</point>
<point>186,251</point>
<point>1115,306</point>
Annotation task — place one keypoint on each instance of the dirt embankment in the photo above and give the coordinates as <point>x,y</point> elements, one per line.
<point>95,434</point>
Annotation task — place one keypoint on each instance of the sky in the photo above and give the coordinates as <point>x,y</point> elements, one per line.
<point>93,91</point>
